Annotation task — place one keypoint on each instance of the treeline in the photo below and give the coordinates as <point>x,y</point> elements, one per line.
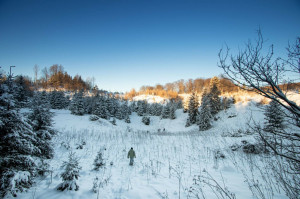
<point>55,77</point>
<point>110,107</point>
<point>172,90</point>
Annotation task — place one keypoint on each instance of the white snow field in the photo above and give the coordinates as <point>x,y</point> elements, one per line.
<point>168,163</point>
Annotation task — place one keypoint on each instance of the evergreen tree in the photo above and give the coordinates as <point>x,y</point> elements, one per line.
<point>193,109</point>
<point>127,119</point>
<point>125,110</point>
<point>140,108</point>
<point>204,117</point>
<point>172,114</point>
<point>18,145</point>
<point>111,106</point>
<point>214,95</point>
<point>101,109</point>
<point>99,160</point>
<point>120,112</point>
<point>41,121</point>
<point>166,111</point>
<point>274,123</point>
<point>133,106</point>
<point>40,116</point>
<point>70,174</point>
<point>23,91</point>
<point>77,105</point>
<point>58,100</point>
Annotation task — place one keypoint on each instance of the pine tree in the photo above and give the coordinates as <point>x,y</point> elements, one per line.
<point>127,119</point>
<point>214,94</point>
<point>120,112</point>
<point>18,145</point>
<point>70,174</point>
<point>99,160</point>
<point>166,111</point>
<point>41,121</point>
<point>133,106</point>
<point>204,117</point>
<point>274,123</point>
<point>40,116</point>
<point>158,109</point>
<point>77,104</point>
<point>101,109</point>
<point>172,114</point>
<point>23,92</point>
<point>140,108</point>
<point>193,109</point>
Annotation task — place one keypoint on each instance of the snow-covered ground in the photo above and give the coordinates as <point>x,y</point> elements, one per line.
<point>150,98</point>
<point>168,162</point>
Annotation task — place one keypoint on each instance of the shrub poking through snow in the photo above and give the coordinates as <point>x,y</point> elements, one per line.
<point>94,118</point>
<point>71,174</point>
<point>146,120</point>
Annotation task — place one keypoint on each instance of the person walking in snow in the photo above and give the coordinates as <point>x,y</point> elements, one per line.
<point>131,155</point>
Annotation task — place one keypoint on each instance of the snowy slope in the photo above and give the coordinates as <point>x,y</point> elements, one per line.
<point>162,158</point>
<point>150,98</point>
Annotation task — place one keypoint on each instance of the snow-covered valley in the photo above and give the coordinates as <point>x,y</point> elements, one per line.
<point>173,161</point>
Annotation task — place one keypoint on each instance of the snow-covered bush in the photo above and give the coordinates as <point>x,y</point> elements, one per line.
<point>15,181</point>
<point>127,119</point>
<point>70,174</point>
<point>256,148</point>
<point>93,118</point>
<point>99,160</point>
<point>146,120</point>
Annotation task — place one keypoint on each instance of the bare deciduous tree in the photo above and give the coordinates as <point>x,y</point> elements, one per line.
<point>256,69</point>
<point>253,70</point>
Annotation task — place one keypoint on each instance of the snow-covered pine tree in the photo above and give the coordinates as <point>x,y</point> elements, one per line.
<point>166,111</point>
<point>119,112</point>
<point>193,109</point>
<point>88,104</point>
<point>214,94</point>
<point>111,106</point>
<point>58,100</point>
<point>40,115</point>
<point>101,109</point>
<point>99,160</point>
<point>23,91</point>
<point>127,119</point>
<point>133,106</point>
<point>70,174</point>
<point>151,108</point>
<point>158,109</point>
<point>172,114</point>
<point>41,121</point>
<point>204,117</point>
<point>77,104</point>
<point>18,145</point>
<point>140,108</point>
<point>274,124</point>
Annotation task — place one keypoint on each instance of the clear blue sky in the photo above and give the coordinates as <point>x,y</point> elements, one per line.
<point>125,44</point>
